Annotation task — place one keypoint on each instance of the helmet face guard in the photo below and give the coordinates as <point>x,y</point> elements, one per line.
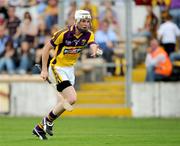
<point>82,14</point>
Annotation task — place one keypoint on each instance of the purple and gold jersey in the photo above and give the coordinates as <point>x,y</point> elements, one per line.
<point>68,46</point>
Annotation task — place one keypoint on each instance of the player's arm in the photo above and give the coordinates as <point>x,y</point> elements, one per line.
<point>55,40</point>
<point>45,57</point>
<point>94,47</point>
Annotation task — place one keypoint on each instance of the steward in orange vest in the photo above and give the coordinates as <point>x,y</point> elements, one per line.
<point>157,62</point>
<point>162,67</point>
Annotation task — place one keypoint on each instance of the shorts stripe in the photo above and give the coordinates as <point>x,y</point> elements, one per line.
<point>56,75</point>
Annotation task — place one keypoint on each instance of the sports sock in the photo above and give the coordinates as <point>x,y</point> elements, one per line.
<point>39,127</point>
<point>51,117</point>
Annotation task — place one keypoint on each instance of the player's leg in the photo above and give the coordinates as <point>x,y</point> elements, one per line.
<point>69,94</point>
<point>46,126</point>
<point>47,122</point>
<point>66,90</point>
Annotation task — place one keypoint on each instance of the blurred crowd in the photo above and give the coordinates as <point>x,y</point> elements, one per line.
<point>22,37</point>
<point>26,25</point>
<point>163,34</point>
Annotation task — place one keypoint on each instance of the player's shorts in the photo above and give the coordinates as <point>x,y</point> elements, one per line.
<point>60,74</point>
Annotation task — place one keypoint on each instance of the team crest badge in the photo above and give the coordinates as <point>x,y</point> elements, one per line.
<point>83,41</point>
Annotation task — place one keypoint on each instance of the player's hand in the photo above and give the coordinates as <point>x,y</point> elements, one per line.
<point>93,50</point>
<point>44,75</point>
<point>93,54</point>
<point>96,51</point>
<point>99,52</point>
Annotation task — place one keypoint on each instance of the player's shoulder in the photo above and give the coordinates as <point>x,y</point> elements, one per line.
<point>61,31</point>
<point>90,32</point>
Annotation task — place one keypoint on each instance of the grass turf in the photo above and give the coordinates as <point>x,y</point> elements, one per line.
<point>93,132</point>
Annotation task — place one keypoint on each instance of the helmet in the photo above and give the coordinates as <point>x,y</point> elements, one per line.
<point>82,14</point>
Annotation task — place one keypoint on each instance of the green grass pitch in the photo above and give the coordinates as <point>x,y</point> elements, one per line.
<point>93,132</point>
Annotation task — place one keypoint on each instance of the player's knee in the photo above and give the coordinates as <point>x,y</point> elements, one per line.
<point>72,99</point>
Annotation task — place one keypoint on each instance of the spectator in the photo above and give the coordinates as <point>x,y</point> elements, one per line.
<point>41,7</point>
<point>175,11</point>
<point>167,34</point>
<point>51,13</point>
<point>38,54</point>
<point>13,22</point>
<point>27,30</point>
<point>175,56</point>
<point>3,39</point>
<point>113,23</point>
<point>72,9</point>
<point>110,14</point>
<point>163,4</point>
<point>3,13</point>
<point>150,26</point>
<point>106,38</point>
<point>7,61</point>
<point>39,11</point>
<point>164,14</point>
<point>94,13</point>
<point>71,13</point>
<point>42,33</point>
<point>16,3</point>
<point>157,62</point>
<point>24,58</point>
<point>108,5</point>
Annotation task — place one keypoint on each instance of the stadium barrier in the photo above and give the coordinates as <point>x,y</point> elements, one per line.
<point>156,99</point>
<point>35,98</point>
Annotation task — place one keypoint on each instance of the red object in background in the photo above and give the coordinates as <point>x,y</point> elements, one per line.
<point>143,2</point>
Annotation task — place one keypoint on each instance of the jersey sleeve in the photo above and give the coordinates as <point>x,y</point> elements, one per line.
<point>57,38</point>
<point>91,39</point>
